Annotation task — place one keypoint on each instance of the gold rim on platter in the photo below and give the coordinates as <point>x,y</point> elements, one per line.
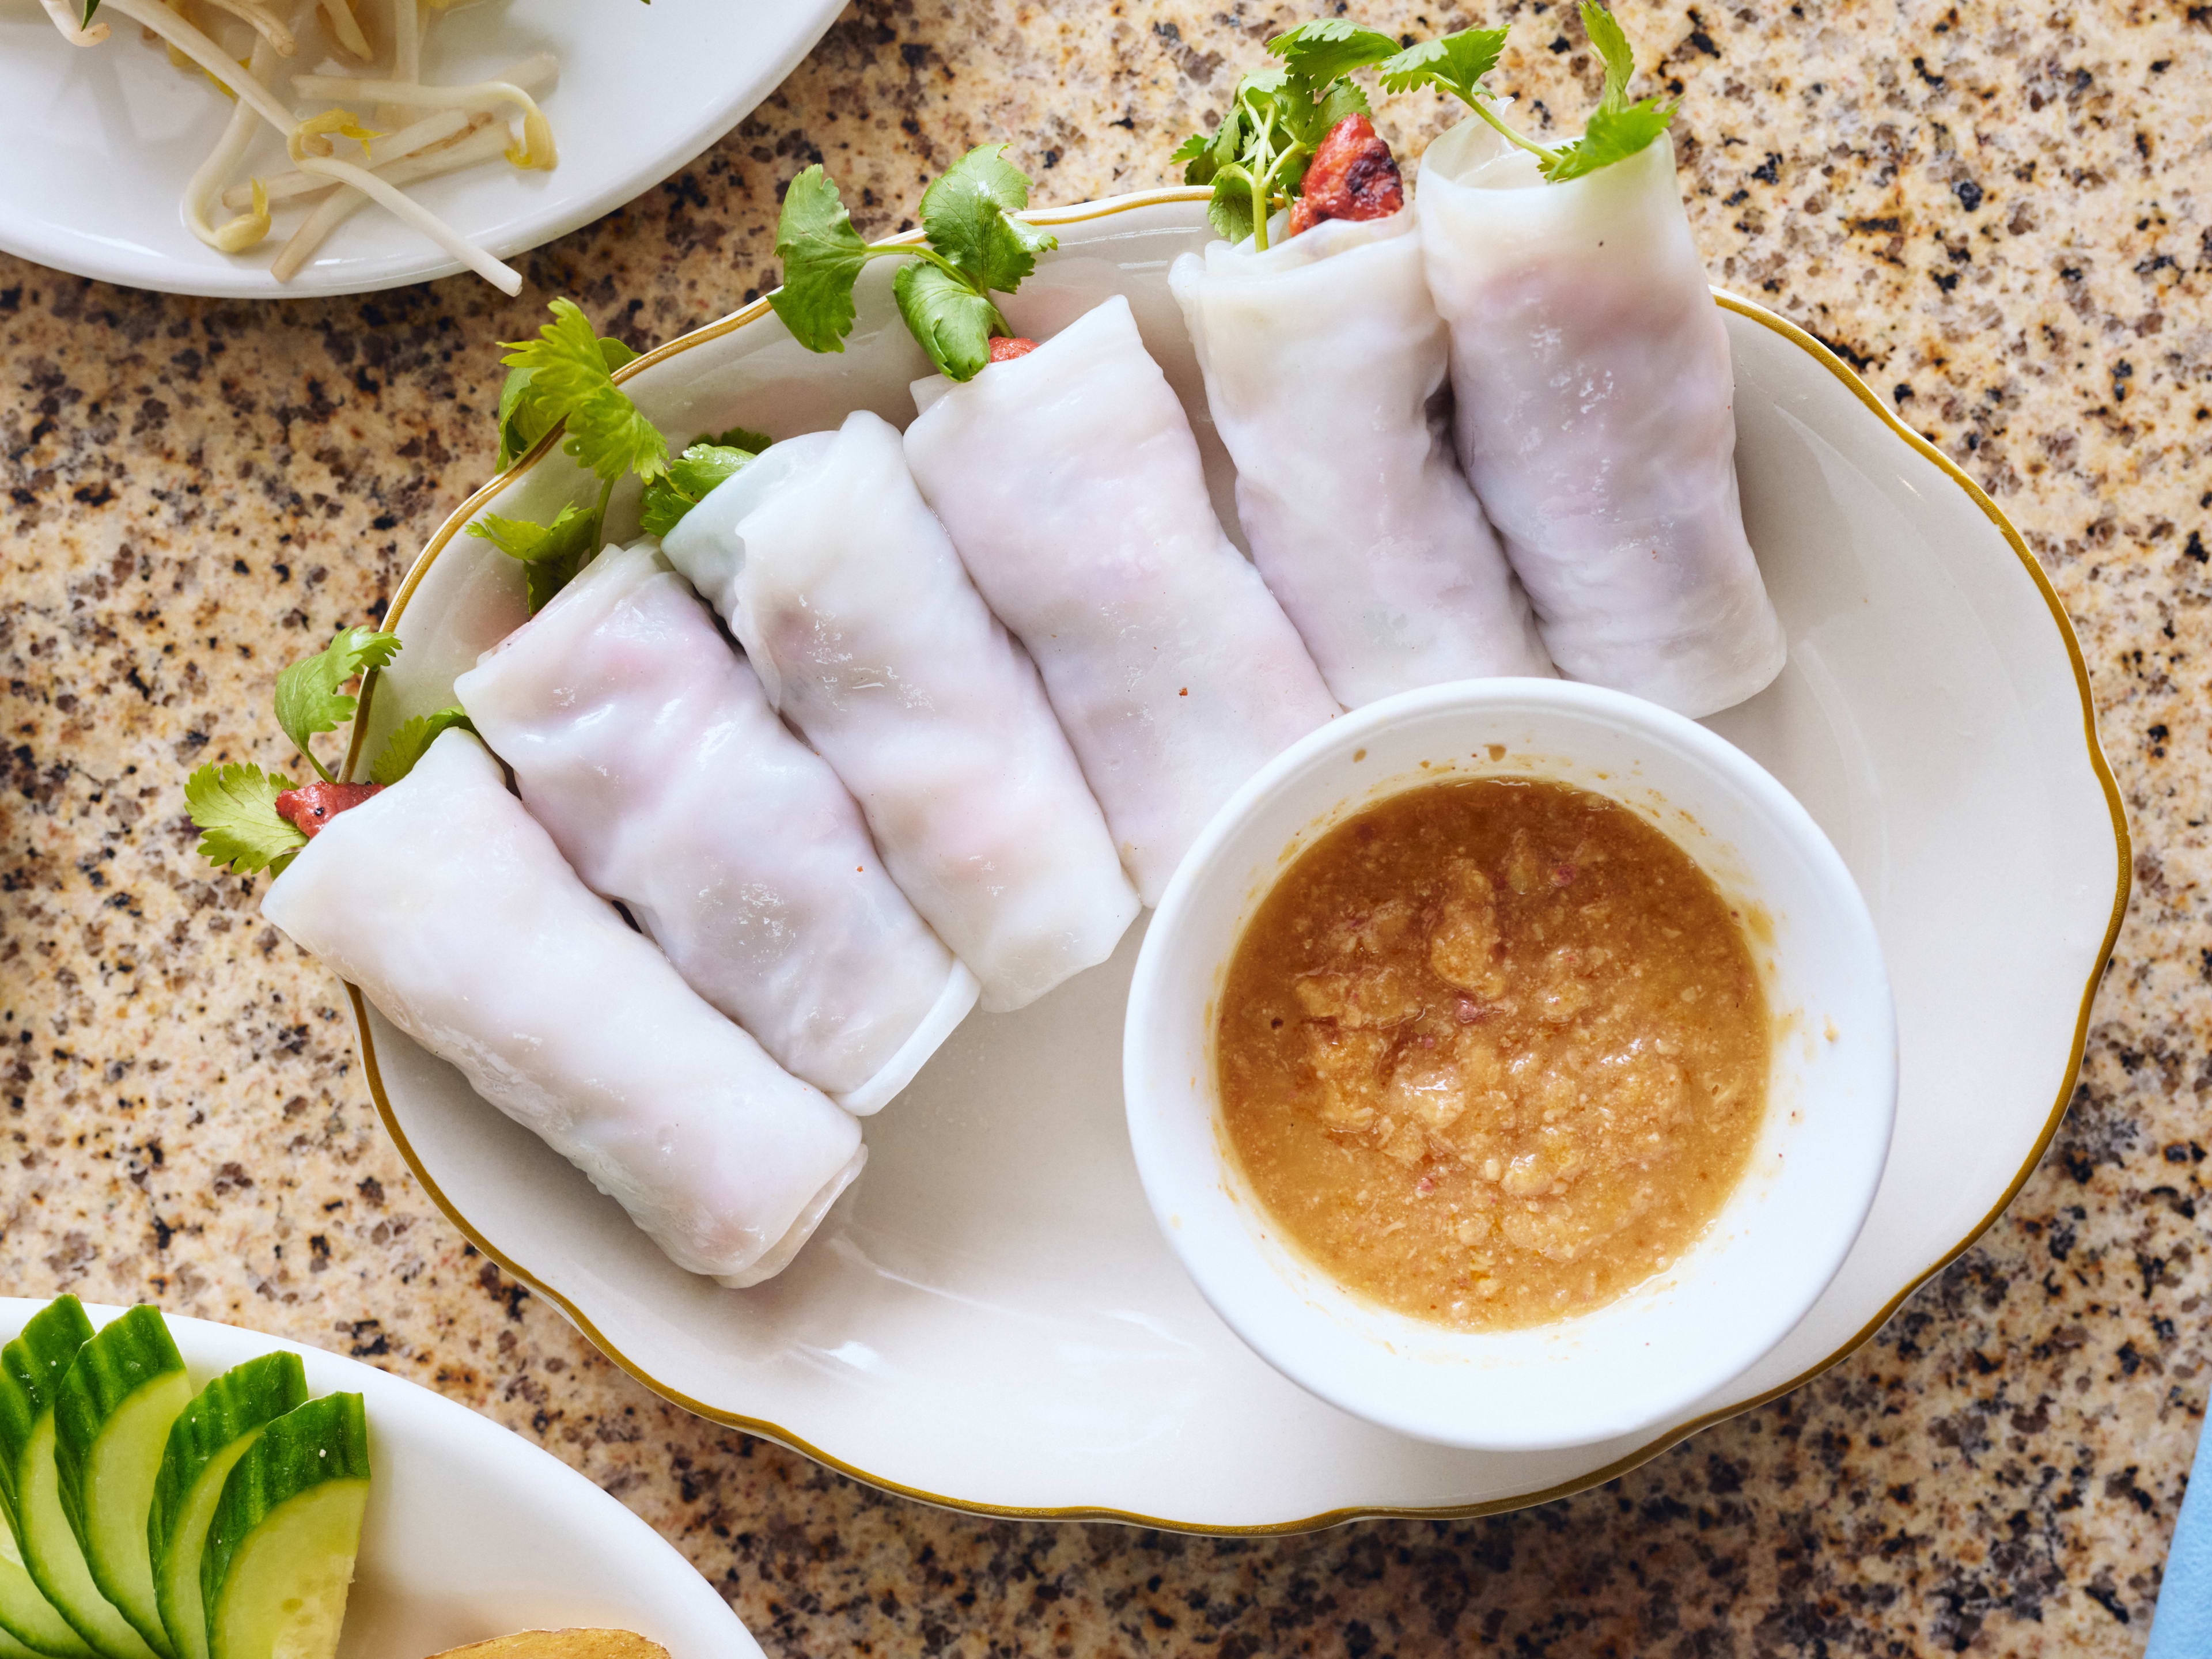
<point>1811,345</point>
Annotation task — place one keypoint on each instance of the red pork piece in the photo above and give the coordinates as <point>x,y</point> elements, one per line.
<point>1005,348</point>
<point>1351,176</point>
<point>312,806</point>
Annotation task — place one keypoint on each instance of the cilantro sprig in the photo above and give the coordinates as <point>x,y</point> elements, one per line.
<point>565,379</point>
<point>309,700</point>
<point>235,805</point>
<point>527,411</point>
<point>1617,129</point>
<point>234,808</point>
<point>1256,159</point>
<point>701,466</point>
<point>972,247</point>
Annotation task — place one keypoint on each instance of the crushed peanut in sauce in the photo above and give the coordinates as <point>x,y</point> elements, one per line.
<point>1493,1052</point>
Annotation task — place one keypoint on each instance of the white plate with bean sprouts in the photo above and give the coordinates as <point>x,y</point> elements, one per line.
<point>217,147</point>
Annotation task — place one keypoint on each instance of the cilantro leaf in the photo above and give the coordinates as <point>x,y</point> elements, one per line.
<point>570,381</point>
<point>1230,210</point>
<point>570,534</point>
<point>1610,136</point>
<point>308,701</point>
<point>967,215</point>
<point>1230,213</point>
<point>974,246</point>
<point>1611,41</point>
<point>235,810</point>
<point>1616,129</point>
<point>1329,49</point>
<point>1345,98</point>
<point>691,477</point>
<point>553,552</point>
<point>524,419</point>
<point>739,437</point>
<point>953,322</point>
<point>1256,159</point>
<point>412,741</point>
<point>1451,62</point>
<point>822,256</point>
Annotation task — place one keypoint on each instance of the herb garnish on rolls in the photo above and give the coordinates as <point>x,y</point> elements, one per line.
<point>1592,381</point>
<point>1322,355</point>
<point>1067,475</point>
<point>438,895</point>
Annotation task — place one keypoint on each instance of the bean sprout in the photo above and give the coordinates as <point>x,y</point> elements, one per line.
<point>440,129</point>
<point>264,22</point>
<point>310,147</point>
<point>482,143</point>
<point>406,47</point>
<point>73,32</point>
<point>249,229</point>
<point>536,150</point>
<point>530,74</point>
<point>346,26</point>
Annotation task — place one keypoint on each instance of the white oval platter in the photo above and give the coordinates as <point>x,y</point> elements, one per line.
<point>990,1320</point>
<point>100,140</point>
<point>471,1531</point>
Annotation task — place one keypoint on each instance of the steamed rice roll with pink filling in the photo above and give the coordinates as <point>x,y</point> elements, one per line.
<point>1323,358</point>
<point>1594,388</point>
<point>1072,485</point>
<point>455,913</point>
<point>642,743</point>
<point>871,640</point>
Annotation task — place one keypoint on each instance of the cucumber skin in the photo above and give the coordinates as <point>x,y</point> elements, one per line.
<point>51,1551</point>
<point>28,1617</point>
<point>122,1357</point>
<point>113,1374</point>
<point>325,1439</point>
<point>30,1366</point>
<point>119,1487</point>
<point>27,1367</point>
<point>238,1405</point>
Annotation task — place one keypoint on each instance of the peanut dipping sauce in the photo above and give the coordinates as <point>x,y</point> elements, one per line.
<point>1493,1052</point>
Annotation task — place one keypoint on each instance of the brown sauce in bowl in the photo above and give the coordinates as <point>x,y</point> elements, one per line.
<point>1493,1052</point>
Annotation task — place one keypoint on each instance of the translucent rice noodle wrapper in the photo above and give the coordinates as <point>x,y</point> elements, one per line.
<point>869,637</point>
<point>1323,359</point>
<point>643,744</point>
<point>1073,489</point>
<point>1595,416</point>
<point>443,900</point>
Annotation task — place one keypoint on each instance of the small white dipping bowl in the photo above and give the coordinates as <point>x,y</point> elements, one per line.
<point>1649,1357</point>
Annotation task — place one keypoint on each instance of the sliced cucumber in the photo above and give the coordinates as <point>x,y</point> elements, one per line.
<point>55,1332</point>
<point>36,1362</point>
<point>111,1417</point>
<point>27,1618</point>
<point>213,1433</point>
<point>281,1549</point>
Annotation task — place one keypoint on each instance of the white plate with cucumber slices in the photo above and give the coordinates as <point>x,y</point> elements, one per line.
<point>263,1461</point>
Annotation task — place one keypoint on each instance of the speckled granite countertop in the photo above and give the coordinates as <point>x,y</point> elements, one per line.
<point>1995,211</point>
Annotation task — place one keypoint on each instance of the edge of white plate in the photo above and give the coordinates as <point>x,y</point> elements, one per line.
<point>1661,1442</point>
